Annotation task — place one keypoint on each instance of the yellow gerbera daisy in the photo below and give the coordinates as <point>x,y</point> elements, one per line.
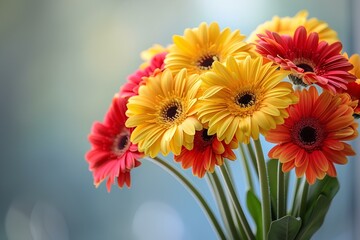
<point>163,113</point>
<point>200,47</point>
<point>288,25</point>
<point>244,99</point>
<point>149,53</point>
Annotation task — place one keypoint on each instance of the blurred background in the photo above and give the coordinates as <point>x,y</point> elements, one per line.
<point>61,61</point>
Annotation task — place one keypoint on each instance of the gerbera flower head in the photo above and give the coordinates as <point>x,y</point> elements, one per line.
<point>353,88</point>
<point>244,98</point>
<point>150,53</point>
<point>135,80</point>
<point>207,152</point>
<point>288,25</point>
<point>112,155</point>
<point>163,113</point>
<point>200,47</point>
<point>312,138</point>
<point>309,60</point>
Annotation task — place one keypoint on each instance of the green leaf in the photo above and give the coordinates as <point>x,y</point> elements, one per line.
<point>272,166</point>
<point>254,207</point>
<point>329,186</point>
<point>284,228</point>
<point>314,218</point>
<point>319,199</point>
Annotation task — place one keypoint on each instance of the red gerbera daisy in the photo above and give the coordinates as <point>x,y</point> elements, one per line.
<point>135,80</point>
<point>312,138</point>
<point>309,60</point>
<point>207,152</point>
<point>112,154</point>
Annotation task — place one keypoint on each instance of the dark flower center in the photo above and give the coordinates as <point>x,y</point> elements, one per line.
<point>123,141</point>
<point>308,135</point>
<point>297,79</point>
<point>203,140</point>
<point>206,62</point>
<point>205,136</point>
<point>171,112</point>
<point>306,67</point>
<point>245,99</point>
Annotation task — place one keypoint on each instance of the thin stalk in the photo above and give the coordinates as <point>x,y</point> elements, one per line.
<point>240,213</point>
<point>305,191</point>
<point>197,195</point>
<point>221,200</point>
<point>281,196</point>
<point>253,157</point>
<point>264,187</point>
<point>245,161</point>
<point>287,179</point>
<point>295,206</point>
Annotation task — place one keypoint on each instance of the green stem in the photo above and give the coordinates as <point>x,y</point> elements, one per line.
<point>305,191</point>
<point>252,157</point>
<point>281,196</point>
<point>295,205</point>
<point>228,184</point>
<point>170,169</point>
<point>264,187</point>
<point>287,179</point>
<point>247,167</point>
<point>221,200</point>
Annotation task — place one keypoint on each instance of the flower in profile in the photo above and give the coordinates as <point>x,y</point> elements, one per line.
<point>309,60</point>
<point>164,114</point>
<point>244,99</point>
<point>112,155</point>
<point>288,25</point>
<point>353,88</point>
<point>312,138</point>
<point>200,47</point>
<point>207,152</point>
<point>135,80</point>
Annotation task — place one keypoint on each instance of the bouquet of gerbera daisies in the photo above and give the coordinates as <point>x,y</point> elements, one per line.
<point>214,91</point>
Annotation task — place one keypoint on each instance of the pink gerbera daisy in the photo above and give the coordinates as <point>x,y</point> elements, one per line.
<point>207,152</point>
<point>135,80</point>
<point>310,60</point>
<point>112,155</point>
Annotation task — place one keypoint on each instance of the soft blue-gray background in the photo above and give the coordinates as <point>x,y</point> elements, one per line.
<point>61,61</point>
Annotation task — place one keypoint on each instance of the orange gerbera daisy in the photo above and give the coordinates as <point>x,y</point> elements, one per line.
<point>353,88</point>
<point>312,138</point>
<point>310,60</point>
<point>207,152</point>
